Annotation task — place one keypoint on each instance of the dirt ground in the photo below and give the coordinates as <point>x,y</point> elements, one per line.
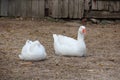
<point>101,63</point>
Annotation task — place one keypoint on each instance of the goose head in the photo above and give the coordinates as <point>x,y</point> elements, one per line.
<point>28,42</point>
<point>82,29</point>
<point>81,32</point>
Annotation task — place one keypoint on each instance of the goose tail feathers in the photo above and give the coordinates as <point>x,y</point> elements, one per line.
<point>20,56</point>
<point>55,37</point>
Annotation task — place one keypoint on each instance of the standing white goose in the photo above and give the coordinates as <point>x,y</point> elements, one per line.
<point>67,46</point>
<point>33,51</point>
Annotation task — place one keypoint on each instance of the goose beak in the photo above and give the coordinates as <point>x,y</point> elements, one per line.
<point>84,31</point>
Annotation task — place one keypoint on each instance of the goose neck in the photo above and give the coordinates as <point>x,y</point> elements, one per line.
<point>80,36</point>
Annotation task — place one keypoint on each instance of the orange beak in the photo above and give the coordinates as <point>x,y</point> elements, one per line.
<point>84,31</point>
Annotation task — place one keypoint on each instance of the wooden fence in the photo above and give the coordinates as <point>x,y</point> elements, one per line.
<point>37,8</point>
<point>61,8</point>
<point>67,8</point>
<point>102,8</point>
<point>23,8</point>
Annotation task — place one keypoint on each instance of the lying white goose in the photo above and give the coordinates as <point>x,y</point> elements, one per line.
<point>33,51</point>
<point>67,46</point>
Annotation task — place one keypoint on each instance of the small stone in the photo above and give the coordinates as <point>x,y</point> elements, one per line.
<point>106,22</point>
<point>95,21</point>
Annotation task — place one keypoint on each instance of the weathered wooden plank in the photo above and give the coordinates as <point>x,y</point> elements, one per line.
<point>81,8</point>
<point>50,9</point>
<point>55,9</point>
<point>4,8</point>
<point>111,9</point>
<point>71,8</point>
<point>76,7</point>
<point>100,5</point>
<point>64,10</point>
<point>94,4</point>
<point>106,5</point>
<point>59,8</point>
<point>17,8</point>
<point>87,5</point>
<point>0,7</point>
<point>34,8</point>
<point>103,14</point>
<point>119,5</point>
<point>111,6</point>
<point>115,5</point>
<point>28,8</point>
<point>11,8</point>
<point>23,8</point>
<point>46,3</point>
<point>41,7</point>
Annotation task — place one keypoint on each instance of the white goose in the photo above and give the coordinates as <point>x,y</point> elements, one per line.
<point>67,46</point>
<point>33,51</point>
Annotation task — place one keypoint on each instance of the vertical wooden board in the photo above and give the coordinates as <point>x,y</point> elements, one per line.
<point>81,9</point>
<point>41,8</point>
<point>51,8</point>
<point>113,6</point>
<point>110,6</point>
<point>23,8</point>
<point>116,6</point>
<point>50,4</point>
<point>34,8</point>
<point>71,8</point>
<point>87,5</point>
<point>55,9</point>
<point>11,11</point>
<point>94,4</point>
<point>60,8</point>
<point>4,8</point>
<point>0,7</point>
<point>46,3</point>
<point>76,8</point>
<point>28,8</point>
<point>64,8</point>
<point>17,8</point>
<point>119,5</point>
<point>100,5</point>
<point>106,5</point>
